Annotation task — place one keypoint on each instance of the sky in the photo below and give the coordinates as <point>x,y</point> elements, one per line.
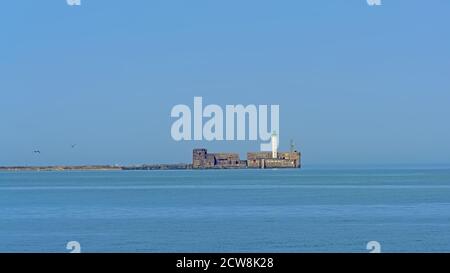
<point>356,84</point>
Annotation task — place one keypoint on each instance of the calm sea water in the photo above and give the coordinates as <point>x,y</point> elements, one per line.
<point>226,211</point>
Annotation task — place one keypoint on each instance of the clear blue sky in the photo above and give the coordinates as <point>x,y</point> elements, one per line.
<point>356,84</point>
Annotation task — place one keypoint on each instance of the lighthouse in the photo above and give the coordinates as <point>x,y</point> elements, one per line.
<point>274,145</point>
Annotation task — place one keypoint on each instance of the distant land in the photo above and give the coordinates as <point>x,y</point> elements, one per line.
<point>98,167</point>
<point>201,159</point>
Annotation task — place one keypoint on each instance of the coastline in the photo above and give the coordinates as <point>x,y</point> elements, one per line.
<point>59,168</point>
<point>95,168</point>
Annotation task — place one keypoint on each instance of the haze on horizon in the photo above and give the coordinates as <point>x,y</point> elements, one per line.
<point>355,84</point>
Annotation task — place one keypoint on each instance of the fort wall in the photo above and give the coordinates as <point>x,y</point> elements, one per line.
<point>258,160</point>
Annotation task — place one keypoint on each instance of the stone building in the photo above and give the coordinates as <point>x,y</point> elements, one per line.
<point>264,160</point>
<point>257,160</point>
<point>202,160</point>
<point>274,159</point>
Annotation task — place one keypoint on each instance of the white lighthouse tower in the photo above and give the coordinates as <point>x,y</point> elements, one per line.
<point>274,145</point>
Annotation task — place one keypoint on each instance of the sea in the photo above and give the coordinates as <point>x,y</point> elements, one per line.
<point>280,211</point>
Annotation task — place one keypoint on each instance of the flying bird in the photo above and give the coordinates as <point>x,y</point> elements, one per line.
<point>37,152</point>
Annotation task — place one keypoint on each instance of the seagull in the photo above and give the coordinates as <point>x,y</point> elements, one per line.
<point>37,152</point>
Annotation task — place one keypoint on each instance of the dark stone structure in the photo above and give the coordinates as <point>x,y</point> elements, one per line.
<point>202,160</point>
<point>265,160</point>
